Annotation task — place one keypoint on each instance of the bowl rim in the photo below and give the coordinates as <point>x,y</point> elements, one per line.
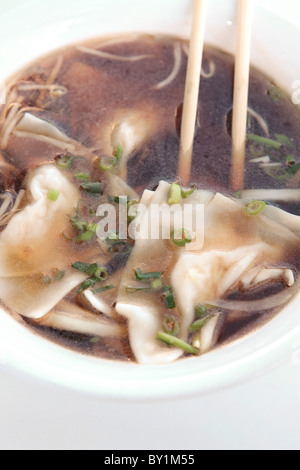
<point>43,360</point>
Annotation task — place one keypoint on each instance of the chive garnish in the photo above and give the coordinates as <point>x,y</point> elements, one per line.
<point>53,195</point>
<point>113,236</point>
<point>133,290</point>
<point>255,207</point>
<point>284,139</point>
<point>64,162</point>
<point>118,152</point>
<point>86,285</point>
<point>174,194</point>
<point>172,341</point>
<point>87,268</point>
<point>94,340</point>
<point>92,227</point>
<point>101,274</point>
<point>188,193</point>
<point>169,298</point>
<point>157,284</point>
<point>204,314</point>
<point>140,276</point>
<point>171,325</point>
<point>181,237</point>
<point>92,188</point>
<point>86,236</point>
<point>85,176</point>
<point>118,200</point>
<point>95,271</point>
<point>265,141</point>
<point>107,163</point>
<point>199,324</point>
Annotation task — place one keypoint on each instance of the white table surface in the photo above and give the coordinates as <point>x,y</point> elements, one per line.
<point>262,414</point>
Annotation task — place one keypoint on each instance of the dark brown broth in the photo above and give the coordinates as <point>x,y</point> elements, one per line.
<point>97,87</point>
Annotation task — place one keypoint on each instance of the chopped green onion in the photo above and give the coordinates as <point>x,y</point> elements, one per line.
<point>86,236</point>
<point>169,298</point>
<point>82,176</point>
<point>204,314</point>
<point>171,325</point>
<point>118,200</point>
<point>95,271</point>
<point>255,207</point>
<point>181,237</point>
<point>53,195</point>
<point>103,289</point>
<point>140,276</point>
<point>186,194</point>
<point>133,290</point>
<point>284,139</point>
<point>290,159</point>
<point>86,267</point>
<point>92,227</point>
<point>86,285</point>
<point>275,94</point>
<point>94,340</point>
<point>101,274</point>
<point>113,236</point>
<point>265,141</point>
<point>157,284</point>
<point>200,311</point>
<point>107,163</point>
<point>175,194</point>
<point>92,188</point>
<point>78,224</point>
<point>63,162</point>
<point>118,152</point>
<point>199,324</point>
<point>237,194</point>
<point>293,169</point>
<point>172,341</point>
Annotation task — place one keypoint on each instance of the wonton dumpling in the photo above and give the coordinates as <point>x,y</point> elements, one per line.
<point>145,311</point>
<point>203,272</point>
<point>32,245</point>
<point>33,241</point>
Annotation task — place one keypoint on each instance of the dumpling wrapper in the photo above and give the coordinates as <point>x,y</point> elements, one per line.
<point>70,317</point>
<point>32,245</point>
<point>145,311</point>
<point>234,243</point>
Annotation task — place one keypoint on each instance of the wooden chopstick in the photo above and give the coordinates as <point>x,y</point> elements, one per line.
<point>241,95</point>
<point>190,106</point>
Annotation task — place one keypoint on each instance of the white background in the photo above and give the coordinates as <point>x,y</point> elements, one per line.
<point>262,414</point>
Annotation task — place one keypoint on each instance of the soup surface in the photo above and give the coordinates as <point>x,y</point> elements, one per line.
<point>97,126</point>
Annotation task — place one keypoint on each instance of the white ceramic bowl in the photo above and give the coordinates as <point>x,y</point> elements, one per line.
<point>34,28</point>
